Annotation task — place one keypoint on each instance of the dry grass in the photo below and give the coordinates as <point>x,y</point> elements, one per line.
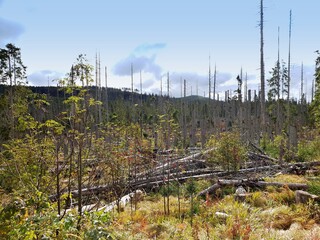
<point>264,215</point>
<point>287,178</point>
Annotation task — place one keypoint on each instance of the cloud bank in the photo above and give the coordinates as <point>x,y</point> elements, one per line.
<point>44,77</point>
<point>140,61</point>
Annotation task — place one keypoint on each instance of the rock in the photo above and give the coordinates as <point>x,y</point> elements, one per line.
<point>240,190</point>
<point>240,194</point>
<point>221,215</point>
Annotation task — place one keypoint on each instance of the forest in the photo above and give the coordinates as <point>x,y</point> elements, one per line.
<point>81,161</point>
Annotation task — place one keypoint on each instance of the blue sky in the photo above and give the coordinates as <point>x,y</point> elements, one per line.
<point>159,37</point>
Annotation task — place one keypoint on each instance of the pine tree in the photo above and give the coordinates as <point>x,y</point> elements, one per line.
<point>274,83</point>
<point>315,104</point>
<point>11,66</point>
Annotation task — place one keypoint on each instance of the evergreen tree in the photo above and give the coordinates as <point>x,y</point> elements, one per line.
<point>274,83</point>
<point>284,80</point>
<point>11,66</point>
<point>315,104</point>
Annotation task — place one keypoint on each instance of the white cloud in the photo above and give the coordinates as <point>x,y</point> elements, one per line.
<point>139,63</point>
<point>44,77</point>
<point>143,58</point>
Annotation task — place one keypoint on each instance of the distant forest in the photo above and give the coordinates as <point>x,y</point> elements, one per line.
<point>196,117</point>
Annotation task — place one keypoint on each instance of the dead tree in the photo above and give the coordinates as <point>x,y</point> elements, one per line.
<point>262,71</point>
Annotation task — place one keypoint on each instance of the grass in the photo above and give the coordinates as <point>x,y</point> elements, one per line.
<point>269,214</point>
<point>287,178</point>
<point>253,219</point>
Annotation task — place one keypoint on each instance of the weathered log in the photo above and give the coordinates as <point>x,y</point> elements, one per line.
<point>305,197</point>
<point>259,156</point>
<point>251,183</point>
<point>292,186</point>
<point>210,189</point>
<point>153,181</point>
<point>256,147</point>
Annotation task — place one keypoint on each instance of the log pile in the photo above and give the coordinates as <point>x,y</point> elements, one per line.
<point>193,166</point>
<point>252,183</point>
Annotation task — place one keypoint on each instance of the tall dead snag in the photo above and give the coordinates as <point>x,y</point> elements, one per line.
<point>214,82</point>
<point>168,143</point>
<point>98,89</point>
<point>262,74</point>
<point>184,118</point>
<point>106,94</point>
<point>209,79</point>
<point>289,81</point>
<point>301,85</point>
<point>278,128</point>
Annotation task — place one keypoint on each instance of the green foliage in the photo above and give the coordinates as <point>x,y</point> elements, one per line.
<point>82,71</point>
<point>191,187</point>
<point>257,199</point>
<point>227,150</point>
<point>167,190</point>
<point>27,163</point>
<point>315,104</point>
<point>11,66</point>
<point>309,150</point>
<point>314,187</point>
<point>276,147</point>
<point>274,83</point>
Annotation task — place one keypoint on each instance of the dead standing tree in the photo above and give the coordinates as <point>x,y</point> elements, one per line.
<point>262,71</point>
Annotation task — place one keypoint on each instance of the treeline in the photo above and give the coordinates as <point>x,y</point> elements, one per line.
<point>197,117</point>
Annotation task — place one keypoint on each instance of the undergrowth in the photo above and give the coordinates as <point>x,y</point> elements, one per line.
<point>269,214</point>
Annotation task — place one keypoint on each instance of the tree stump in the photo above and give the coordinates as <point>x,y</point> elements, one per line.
<point>305,197</point>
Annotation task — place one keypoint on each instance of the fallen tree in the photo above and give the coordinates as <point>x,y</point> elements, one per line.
<point>185,168</point>
<point>254,183</point>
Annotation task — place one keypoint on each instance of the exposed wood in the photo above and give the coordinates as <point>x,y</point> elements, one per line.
<point>305,197</point>
<point>192,166</point>
<point>251,183</point>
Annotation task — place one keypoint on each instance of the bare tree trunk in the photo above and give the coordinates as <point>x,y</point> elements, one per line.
<point>289,81</point>
<point>209,79</point>
<point>184,114</point>
<point>278,129</point>
<point>141,109</point>
<point>106,96</point>
<point>262,71</point>
<point>80,173</point>
<point>214,82</point>
<point>58,179</point>
<point>168,142</point>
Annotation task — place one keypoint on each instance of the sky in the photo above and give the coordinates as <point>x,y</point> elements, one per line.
<point>160,37</point>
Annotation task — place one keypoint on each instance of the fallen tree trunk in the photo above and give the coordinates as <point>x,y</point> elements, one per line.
<point>251,183</point>
<point>261,157</point>
<point>292,186</point>
<point>154,181</point>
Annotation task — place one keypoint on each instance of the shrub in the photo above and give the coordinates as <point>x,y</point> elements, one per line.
<point>309,150</point>
<point>277,147</point>
<point>228,150</point>
<point>285,196</point>
<point>314,187</point>
<point>257,199</point>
